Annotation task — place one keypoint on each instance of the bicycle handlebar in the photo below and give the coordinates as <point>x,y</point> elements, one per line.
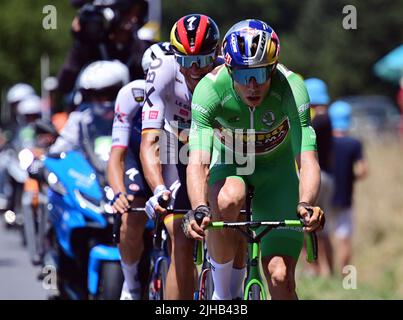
<point>312,245</point>
<point>255,224</point>
<point>177,211</point>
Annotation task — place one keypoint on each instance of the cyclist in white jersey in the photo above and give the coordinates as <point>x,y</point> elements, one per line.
<point>125,175</point>
<point>166,112</point>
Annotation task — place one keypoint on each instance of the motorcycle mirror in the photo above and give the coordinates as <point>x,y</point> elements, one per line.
<point>25,157</point>
<point>109,193</point>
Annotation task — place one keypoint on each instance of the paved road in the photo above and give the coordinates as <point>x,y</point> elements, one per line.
<point>18,277</point>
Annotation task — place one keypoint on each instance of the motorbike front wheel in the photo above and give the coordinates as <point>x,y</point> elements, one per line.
<point>110,282</point>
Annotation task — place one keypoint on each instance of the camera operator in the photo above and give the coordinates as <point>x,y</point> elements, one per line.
<point>105,30</point>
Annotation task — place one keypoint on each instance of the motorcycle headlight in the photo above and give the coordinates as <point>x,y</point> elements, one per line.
<point>55,184</point>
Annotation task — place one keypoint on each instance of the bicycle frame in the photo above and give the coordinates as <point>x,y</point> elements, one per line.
<point>254,274</point>
<point>159,254</point>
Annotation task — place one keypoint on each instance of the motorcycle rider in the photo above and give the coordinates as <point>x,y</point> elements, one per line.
<point>99,84</point>
<point>15,95</point>
<point>105,30</point>
<point>25,108</point>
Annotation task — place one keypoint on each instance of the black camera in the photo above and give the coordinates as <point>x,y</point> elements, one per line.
<point>96,22</point>
<point>100,17</point>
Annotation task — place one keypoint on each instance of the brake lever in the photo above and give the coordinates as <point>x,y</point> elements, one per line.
<point>163,203</point>
<point>313,237</point>
<point>197,244</point>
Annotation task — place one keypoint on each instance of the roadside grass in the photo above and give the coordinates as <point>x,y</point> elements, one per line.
<point>378,235</point>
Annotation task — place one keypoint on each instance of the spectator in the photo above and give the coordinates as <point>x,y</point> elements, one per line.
<point>319,101</point>
<point>348,166</point>
<point>105,35</point>
<point>399,99</point>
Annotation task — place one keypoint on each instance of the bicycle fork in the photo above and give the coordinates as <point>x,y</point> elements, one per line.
<point>254,275</point>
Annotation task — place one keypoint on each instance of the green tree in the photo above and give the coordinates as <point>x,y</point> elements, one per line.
<point>313,40</point>
<point>23,40</point>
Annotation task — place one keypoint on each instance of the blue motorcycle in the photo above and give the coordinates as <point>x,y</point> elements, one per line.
<point>81,221</point>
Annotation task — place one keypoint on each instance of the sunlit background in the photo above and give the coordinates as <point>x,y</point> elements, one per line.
<point>314,43</point>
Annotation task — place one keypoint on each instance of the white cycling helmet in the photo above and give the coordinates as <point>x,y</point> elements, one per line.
<point>157,50</point>
<point>30,105</point>
<point>19,92</point>
<point>103,74</point>
<point>50,83</point>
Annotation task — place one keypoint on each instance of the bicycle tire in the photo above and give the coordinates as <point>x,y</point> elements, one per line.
<point>158,284</point>
<point>206,285</point>
<point>110,282</point>
<point>254,292</point>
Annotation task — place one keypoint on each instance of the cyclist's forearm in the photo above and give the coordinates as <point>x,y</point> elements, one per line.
<point>115,170</point>
<point>309,177</point>
<point>197,176</point>
<point>149,157</point>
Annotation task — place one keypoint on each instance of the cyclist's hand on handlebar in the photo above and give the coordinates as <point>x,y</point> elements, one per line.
<point>158,202</point>
<point>313,217</point>
<point>195,222</point>
<point>121,202</point>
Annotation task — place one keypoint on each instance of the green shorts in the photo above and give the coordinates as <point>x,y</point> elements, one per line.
<point>276,195</point>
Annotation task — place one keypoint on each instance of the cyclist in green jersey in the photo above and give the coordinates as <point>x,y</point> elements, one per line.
<point>250,126</point>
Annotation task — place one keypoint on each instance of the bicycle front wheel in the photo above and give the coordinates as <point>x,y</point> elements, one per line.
<point>206,285</point>
<point>158,281</point>
<point>255,292</point>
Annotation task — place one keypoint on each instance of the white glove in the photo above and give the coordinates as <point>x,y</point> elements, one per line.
<point>153,201</point>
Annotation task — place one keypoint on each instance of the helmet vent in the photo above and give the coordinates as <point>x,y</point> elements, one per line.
<point>254,46</point>
<point>241,44</point>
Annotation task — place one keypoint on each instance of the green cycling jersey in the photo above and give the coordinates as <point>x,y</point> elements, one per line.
<point>283,117</point>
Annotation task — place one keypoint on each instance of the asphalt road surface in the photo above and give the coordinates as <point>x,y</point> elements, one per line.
<point>18,277</point>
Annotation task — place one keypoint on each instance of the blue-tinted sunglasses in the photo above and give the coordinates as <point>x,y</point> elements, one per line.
<point>243,76</point>
<point>201,61</point>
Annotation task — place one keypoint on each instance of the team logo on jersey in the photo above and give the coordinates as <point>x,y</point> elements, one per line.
<point>138,95</point>
<point>264,142</point>
<point>153,115</point>
<point>148,94</point>
<point>184,112</point>
<point>132,173</point>
<point>119,115</point>
<point>268,118</point>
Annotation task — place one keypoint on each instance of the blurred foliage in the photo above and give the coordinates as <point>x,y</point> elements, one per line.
<point>313,41</point>
<point>23,40</point>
